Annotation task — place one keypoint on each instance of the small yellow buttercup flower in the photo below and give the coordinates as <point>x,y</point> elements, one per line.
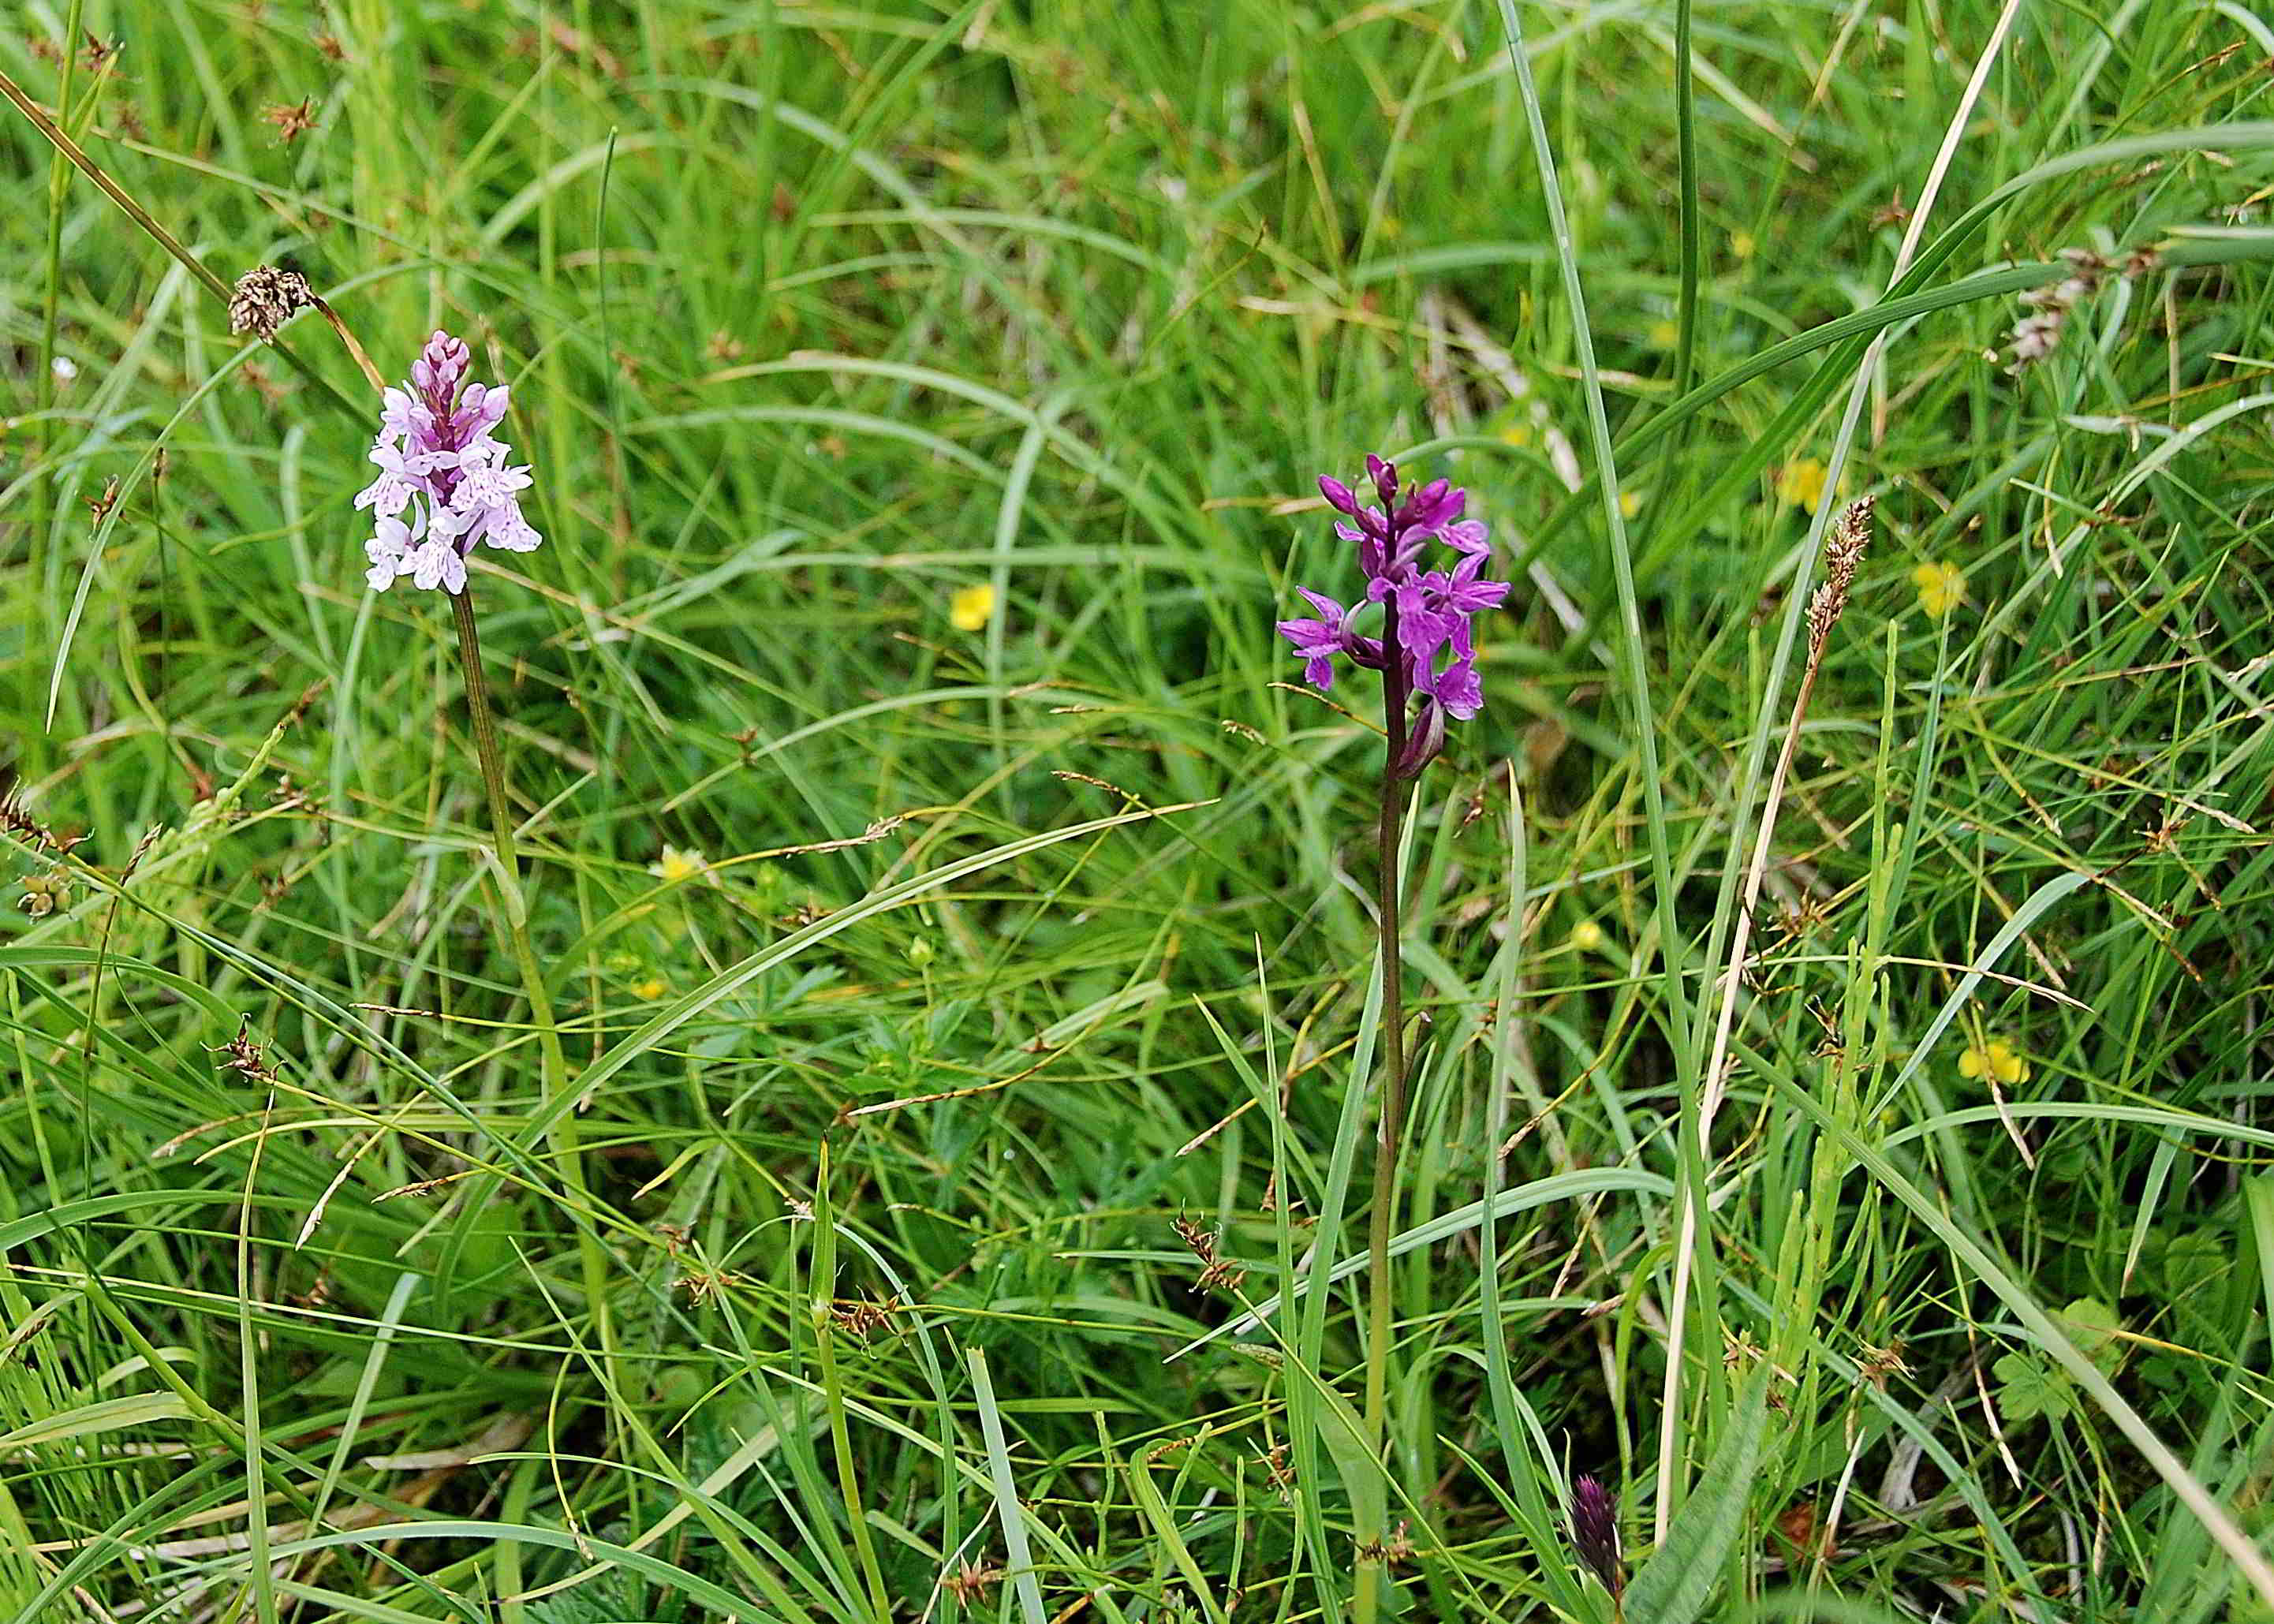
<point>651,989</point>
<point>1517,434</point>
<point>1664,334</point>
<point>1993,1060</point>
<point>676,865</point>
<point>1941,588</point>
<point>1741,244</point>
<point>1629,504</point>
<point>1586,936</point>
<point>971,607</point>
<point>1802,482</point>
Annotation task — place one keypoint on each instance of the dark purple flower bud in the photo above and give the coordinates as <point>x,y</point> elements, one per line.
<point>1365,651</point>
<point>1338,496</point>
<point>1384,476</point>
<point>1431,509</point>
<point>1425,737</point>
<point>1595,1534</point>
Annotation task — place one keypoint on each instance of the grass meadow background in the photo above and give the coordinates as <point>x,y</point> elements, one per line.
<point>925,403</point>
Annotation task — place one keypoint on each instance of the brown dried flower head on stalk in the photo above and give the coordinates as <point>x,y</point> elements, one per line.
<point>1843,553</point>
<point>2038,334</point>
<point>267,296</point>
<point>291,121</point>
<point>1217,1273</point>
<point>17,820</point>
<point>246,1058</point>
<point>972,1581</point>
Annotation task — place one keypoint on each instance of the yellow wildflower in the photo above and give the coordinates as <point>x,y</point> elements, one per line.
<point>1664,334</point>
<point>1629,504</point>
<point>676,865</point>
<point>1586,936</point>
<point>1993,1060</point>
<point>1741,244</point>
<point>1941,587</point>
<point>1517,434</point>
<point>651,989</point>
<point>971,607</point>
<point>1802,482</point>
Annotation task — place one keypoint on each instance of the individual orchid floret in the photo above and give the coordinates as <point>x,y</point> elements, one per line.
<point>446,481</point>
<point>1317,641</point>
<point>1428,615</point>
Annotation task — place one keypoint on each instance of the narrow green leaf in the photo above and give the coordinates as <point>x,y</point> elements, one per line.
<point>107,1415</point>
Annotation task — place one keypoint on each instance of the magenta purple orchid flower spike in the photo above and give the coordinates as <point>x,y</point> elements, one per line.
<point>1428,615</point>
<point>1427,652</point>
<point>444,481</point>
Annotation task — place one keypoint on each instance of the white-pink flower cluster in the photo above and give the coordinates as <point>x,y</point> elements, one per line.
<point>444,481</point>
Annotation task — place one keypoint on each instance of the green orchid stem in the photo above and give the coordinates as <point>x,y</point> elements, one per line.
<point>1373,1572</point>
<point>514,912</point>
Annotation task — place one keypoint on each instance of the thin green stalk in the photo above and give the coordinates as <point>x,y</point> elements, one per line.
<point>51,298</point>
<point>259,1582</point>
<point>823,1285</point>
<point>1394,692</point>
<point>1694,1242</point>
<point>70,149</point>
<point>1634,661</point>
<point>56,138</point>
<point>1685,151</point>
<point>513,909</point>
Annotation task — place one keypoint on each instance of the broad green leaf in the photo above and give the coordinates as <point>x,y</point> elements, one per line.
<point>1673,1586</point>
<point>2028,1387</point>
<point>2093,1326</point>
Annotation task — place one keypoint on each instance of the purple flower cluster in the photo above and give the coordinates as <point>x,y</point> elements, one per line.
<point>1428,614</point>
<point>1595,1533</point>
<point>444,482</point>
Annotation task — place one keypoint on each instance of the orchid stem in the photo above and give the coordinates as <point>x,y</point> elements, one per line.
<point>1373,1571</point>
<point>554,1063</point>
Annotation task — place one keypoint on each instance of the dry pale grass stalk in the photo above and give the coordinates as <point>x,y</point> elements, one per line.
<point>1953,133</point>
<point>1843,552</point>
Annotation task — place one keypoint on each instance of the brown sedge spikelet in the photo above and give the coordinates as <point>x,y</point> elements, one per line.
<point>1843,555</point>
<point>17,820</point>
<point>1217,1273</point>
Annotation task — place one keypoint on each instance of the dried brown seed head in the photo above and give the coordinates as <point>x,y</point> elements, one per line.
<point>972,1581</point>
<point>291,121</point>
<point>266,298</point>
<point>1843,553</point>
